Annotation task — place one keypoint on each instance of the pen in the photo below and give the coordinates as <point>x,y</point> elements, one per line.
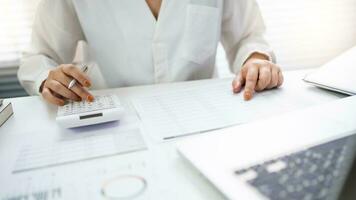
<point>73,81</point>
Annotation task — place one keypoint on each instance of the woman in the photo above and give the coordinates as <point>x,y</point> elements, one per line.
<point>139,42</point>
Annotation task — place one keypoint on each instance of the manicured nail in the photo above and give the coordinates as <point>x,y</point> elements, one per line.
<point>248,95</point>
<point>87,83</point>
<point>237,88</point>
<point>90,98</point>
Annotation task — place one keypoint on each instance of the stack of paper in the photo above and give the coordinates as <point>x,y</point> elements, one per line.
<point>5,112</point>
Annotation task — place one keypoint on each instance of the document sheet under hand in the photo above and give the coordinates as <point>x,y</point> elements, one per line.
<point>203,108</point>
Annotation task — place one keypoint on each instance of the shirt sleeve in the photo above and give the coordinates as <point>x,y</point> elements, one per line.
<point>243,32</point>
<point>56,31</point>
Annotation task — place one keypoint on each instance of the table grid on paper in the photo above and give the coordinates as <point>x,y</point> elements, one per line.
<point>205,108</point>
<point>69,151</point>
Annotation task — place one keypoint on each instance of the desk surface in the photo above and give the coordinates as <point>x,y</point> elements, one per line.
<point>169,177</point>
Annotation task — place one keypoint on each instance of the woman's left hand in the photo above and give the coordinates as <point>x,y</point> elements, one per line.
<point>257,74</point>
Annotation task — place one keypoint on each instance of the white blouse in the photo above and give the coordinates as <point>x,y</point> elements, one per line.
<point>131,47</point>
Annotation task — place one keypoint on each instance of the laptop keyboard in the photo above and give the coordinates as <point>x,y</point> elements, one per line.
<point>304,175</point>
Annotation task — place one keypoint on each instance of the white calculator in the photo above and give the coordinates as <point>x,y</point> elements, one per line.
<point>105,108</point>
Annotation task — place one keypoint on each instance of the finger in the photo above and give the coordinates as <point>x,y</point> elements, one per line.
<point>280,78</point>
<point>60,89</point>
<point>48,96</point>
<point>264,78</point>
<point>251,80</point>
<point>74,72</point>
<point>82,93</point>
<point>238,83</point>
<point>274,79</point>
<point>77,88</point>
<point>64,79</point>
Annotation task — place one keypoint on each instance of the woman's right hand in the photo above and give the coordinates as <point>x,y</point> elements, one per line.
<point>55,87</point>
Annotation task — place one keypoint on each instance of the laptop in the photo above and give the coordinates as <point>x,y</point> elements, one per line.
<point>337,75</point>
<point>308,154</point>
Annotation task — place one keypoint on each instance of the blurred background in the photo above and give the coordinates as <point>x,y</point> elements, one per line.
<point>303,34</point>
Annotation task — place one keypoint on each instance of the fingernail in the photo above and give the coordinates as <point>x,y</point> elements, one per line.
<point>90,98</point>
<point>237,88</point>
<point>248,95</point>
<point>87,83</point>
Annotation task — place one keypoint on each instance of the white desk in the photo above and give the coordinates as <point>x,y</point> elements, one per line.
<point>168,176</point>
